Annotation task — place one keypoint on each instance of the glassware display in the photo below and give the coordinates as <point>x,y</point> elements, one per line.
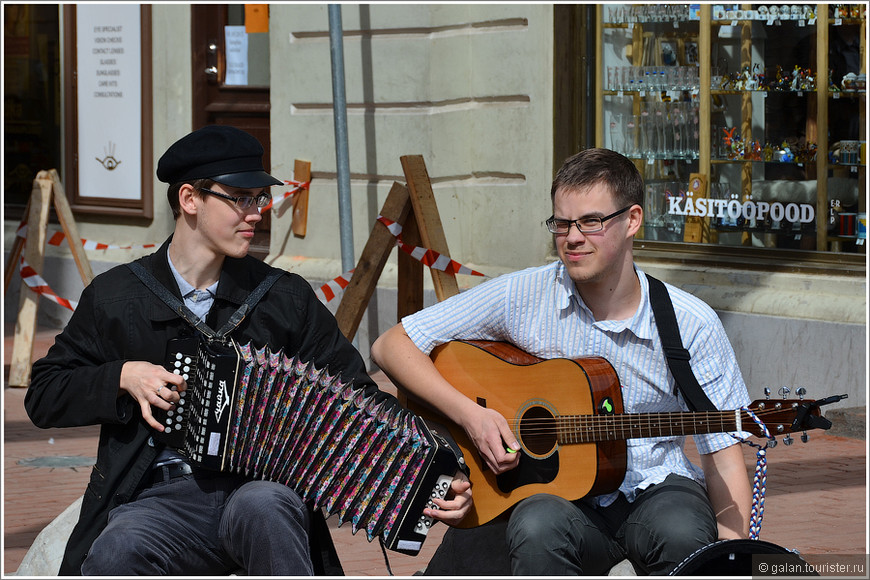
<point>662,130</point>
<point>776,132</point>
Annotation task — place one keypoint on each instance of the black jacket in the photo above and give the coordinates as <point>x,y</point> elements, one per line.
<point>118,319</point>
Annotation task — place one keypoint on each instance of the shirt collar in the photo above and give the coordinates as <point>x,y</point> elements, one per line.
<point>183,285</point>
<point>641,324</point>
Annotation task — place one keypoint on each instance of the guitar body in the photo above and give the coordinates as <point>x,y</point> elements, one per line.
<point>502,377</point>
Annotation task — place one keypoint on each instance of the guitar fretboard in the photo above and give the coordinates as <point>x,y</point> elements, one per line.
<point>591,428</point>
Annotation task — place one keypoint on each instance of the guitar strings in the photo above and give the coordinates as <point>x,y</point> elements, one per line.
<point>624,422</point>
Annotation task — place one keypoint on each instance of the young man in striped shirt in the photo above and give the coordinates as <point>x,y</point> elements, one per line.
<point>594,301</point>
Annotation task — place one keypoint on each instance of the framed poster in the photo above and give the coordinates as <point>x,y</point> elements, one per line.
<point>107,87</point>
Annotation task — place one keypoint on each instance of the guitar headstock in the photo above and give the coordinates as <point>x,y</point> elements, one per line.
<point>785,416</point>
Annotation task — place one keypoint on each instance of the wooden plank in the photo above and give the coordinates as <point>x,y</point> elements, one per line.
<point>697,229</point>
<point>65,216</point>
<point>28,305</point>
<point>371,262</point>
<point>821,165</point>
<point>410,273</point>
<point>428,221</point>
<point>14,254</point>
<point>302,173</point>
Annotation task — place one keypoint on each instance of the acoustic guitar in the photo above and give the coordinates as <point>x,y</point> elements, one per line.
<point>568,417</point>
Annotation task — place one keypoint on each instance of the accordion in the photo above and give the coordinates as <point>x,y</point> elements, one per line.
<point>270,416</point>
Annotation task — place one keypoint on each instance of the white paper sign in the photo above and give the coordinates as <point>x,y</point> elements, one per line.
<point>109,97</point>
<point>237,55</point>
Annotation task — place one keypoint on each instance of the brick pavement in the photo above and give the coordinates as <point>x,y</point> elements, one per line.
<point>816,498</point>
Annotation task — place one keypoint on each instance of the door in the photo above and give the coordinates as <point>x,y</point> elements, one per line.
<point>231,79</point>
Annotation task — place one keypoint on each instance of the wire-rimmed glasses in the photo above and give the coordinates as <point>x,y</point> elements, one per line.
<point>243,201</point>
<point>585,225</point>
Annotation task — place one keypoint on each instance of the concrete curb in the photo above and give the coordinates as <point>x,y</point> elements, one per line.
<point>45,555</point>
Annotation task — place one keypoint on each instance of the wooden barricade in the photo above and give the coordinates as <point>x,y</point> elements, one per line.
<point>413,206</point>
<point>47,190</point>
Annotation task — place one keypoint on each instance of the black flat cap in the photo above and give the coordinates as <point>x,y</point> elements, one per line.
<point>225,154</point>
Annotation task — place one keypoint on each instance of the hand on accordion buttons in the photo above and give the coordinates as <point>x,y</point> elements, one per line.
<point>456,505</point>
<point>151,385</point>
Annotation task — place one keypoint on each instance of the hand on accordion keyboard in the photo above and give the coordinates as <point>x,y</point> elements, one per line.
<point>151,385</point>
<point>456,505</point>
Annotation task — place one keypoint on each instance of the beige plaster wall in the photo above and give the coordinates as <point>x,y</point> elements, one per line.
<point>469,87</point>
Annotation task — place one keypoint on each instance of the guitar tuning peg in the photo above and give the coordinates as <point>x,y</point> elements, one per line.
<point>787,440</point>
<point>801,392</point>
<point>772,442</point>
<point>805,437</point>
<point>766,392</point>
<point>783,392</point>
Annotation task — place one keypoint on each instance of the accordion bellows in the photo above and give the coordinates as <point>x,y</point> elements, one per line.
<point>357,455</point>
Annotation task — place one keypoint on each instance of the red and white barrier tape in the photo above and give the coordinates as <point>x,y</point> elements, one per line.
<point>35,282</point>
<point>325,293</point>
<point>298,186</point>
<point>430,258</point>
<point>334,287</point>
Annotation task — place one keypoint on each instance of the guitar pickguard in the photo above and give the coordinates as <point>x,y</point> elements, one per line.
<point>530,470</point>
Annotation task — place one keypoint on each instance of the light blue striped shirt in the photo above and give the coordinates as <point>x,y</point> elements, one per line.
<point>199,301</point>
<point>540,311</point>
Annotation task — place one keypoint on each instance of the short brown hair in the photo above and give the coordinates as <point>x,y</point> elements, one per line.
<point>592,166</point>
<point>172,193</point>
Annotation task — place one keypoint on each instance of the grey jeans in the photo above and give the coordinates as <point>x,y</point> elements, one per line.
<point>205,526</point>
<point>551,536</point>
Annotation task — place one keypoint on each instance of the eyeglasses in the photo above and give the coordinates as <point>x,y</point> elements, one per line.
<point>243,201</point>
<point>586,225</point>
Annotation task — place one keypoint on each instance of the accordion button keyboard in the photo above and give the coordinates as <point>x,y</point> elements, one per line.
<point>442,486</point>
<point>179,359</point>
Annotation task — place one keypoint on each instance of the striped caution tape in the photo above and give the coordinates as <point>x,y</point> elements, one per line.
<point>35,282</point>
<point>57,238</point>
<point>297,187</point>
<point>430,258</point>
<point>325,293</point>
<point>334,287</point>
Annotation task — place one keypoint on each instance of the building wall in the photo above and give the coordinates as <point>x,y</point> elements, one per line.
<point>469,87</point>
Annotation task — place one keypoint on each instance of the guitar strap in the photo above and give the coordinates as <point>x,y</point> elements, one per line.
<point>677,356</point>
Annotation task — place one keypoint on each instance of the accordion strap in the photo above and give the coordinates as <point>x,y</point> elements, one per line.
<point>178,306</point>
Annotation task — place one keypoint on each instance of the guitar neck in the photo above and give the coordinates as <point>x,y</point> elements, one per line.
<point>592,428</point>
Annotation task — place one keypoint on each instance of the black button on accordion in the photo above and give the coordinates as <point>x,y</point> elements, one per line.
<point>269,416</point>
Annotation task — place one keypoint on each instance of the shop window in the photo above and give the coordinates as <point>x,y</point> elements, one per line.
<point>746,121</point>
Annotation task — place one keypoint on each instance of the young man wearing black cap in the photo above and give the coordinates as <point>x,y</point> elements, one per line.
<point>147,511</point>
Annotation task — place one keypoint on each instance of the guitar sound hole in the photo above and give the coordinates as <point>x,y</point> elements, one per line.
<point>538,431</point>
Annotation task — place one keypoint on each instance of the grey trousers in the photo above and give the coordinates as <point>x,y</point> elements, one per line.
<point>205,526</point>
<point>551,536</point>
